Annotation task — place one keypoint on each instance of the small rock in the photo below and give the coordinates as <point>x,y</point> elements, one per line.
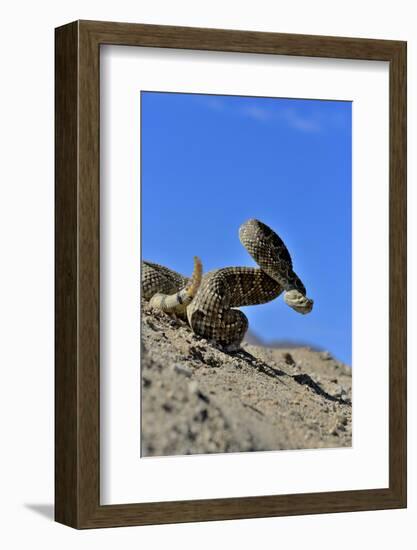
<point>201,416</point>
<point>288,358</point>
<point>182,369</point>
<point>341,394</point>
<point>326,356</point>
<point>146,382</point>
<point>151,324</point>
<point>203,397</point>
<point>193,387</point>
<point>343,419</point>
<point>195,353</point>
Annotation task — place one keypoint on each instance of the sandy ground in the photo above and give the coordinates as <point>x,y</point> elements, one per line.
<point>198,399</point>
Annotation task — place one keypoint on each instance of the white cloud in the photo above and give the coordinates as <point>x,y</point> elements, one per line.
<point>270,113</point>
<point>299,122</point>
<point>289,115</point>
<point>212,102</point>
<point>257,113</point>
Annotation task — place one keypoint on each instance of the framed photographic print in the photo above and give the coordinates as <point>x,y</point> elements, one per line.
<point>230,274</point>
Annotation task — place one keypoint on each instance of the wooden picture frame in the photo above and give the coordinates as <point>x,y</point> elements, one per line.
<point>77,373</point>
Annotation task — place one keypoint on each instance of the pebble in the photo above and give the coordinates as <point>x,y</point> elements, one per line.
<point>193,387</point>
<point>182,369</point>
<point>343,419</point>
<point>146,382</point>
<point>342,394</point>
<point>151,324</point>
<point>288,358</point>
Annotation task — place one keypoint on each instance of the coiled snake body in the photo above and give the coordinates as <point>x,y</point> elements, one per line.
<point>208,301</point>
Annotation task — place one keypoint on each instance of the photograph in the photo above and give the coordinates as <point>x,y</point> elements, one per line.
<point>230,267</point>
<point>245,201</point>
<point>209,259</point>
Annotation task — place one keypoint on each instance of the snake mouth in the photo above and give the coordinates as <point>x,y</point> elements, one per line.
<point>298,302</point>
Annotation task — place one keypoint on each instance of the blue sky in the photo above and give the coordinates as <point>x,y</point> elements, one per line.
<point>209,163</point>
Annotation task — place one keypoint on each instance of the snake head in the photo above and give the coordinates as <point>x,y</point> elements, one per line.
<point>298,302</point>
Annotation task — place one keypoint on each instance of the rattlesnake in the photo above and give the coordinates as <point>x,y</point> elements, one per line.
<point>207,301</point>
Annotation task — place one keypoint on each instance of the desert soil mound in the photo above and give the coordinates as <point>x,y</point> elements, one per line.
<point>199,399</point>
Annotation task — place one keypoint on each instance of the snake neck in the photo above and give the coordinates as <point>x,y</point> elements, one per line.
<point>248,286</point>
<point>292,282</point>
<point>270,253</point>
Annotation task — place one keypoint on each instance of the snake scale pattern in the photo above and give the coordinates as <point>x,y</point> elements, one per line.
<point>208,302</point>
